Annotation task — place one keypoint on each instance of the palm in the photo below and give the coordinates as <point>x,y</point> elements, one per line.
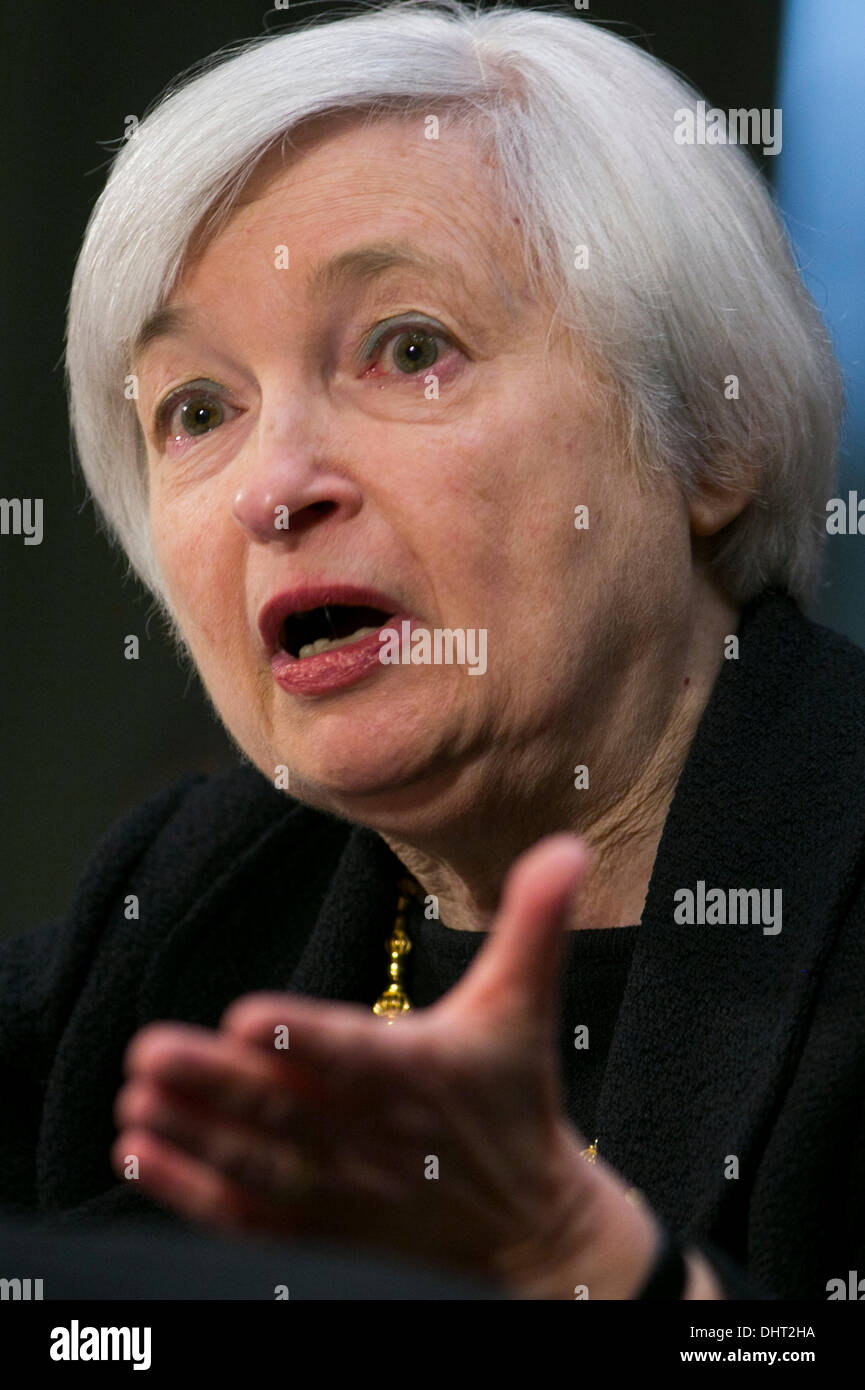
<point>440,1136</point>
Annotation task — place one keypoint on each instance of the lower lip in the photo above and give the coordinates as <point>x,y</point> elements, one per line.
<point>336,669</point>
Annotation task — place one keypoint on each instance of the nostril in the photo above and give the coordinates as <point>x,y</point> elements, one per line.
<point>309,514</point>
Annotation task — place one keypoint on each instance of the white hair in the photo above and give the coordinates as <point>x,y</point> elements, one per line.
<point>690,279</point>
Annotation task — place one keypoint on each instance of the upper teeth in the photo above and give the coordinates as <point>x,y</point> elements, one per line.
<point>326,644</point>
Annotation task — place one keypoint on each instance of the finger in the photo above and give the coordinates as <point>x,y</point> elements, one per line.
<point>260,1162</point>
<point>220,1067</point>
<point>317,1201</point>
<point>145,1101</point>
<point>516,976</point>
<point>345,1044</point>
<point>185,1184</point>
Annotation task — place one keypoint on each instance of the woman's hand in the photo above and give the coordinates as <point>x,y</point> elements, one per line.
<point>440,1137</point>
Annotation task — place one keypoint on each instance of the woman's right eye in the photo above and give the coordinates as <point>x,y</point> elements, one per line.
<point>199,416</point>
<point>189,414</point>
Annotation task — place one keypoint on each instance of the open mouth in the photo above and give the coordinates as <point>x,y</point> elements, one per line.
<point>326,628</point>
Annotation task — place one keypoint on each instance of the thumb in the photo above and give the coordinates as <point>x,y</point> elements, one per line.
<point>516,975</point>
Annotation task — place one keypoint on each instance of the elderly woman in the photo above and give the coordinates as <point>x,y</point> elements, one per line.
<point>475,436</point>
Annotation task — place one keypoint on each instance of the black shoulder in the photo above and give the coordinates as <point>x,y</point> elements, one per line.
<point>177,834</point>
<point>36,978</point>
<point>810,675</point>
<point>163,847</point>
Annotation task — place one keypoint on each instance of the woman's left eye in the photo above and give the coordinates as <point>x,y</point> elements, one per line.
<point>413,348</point>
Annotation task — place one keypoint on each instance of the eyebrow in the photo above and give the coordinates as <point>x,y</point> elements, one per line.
<point>166,322</point>
<point>366,263</point>
<point>361,264</point>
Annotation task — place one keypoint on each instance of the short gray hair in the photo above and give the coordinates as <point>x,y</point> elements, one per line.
<point>690,278</point>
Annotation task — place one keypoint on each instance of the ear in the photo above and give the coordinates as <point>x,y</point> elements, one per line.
<point>716,505</point>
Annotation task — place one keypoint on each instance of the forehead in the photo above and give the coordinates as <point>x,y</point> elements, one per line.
<point>342,180</point>
<point>388,155</point>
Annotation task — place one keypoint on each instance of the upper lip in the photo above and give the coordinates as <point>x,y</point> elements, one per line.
<point>273,613</point>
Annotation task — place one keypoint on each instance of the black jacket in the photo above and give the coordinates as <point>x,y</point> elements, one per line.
<point>730,1041</point>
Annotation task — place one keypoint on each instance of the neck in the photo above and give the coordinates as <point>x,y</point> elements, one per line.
<point>464,864</point>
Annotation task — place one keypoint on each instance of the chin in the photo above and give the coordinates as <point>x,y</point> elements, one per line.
<point>393,794</point>
<point>370,777</point>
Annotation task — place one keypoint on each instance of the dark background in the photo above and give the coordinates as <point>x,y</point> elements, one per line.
<point>85,733</point>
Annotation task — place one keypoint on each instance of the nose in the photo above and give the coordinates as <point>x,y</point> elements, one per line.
<point>290,483</point>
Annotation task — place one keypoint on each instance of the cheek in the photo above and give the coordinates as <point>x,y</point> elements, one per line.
<point>202,574</point>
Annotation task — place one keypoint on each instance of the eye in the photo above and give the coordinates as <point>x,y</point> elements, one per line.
<point>414,350</point>
<point>192,411</point>
<point>412,347</point>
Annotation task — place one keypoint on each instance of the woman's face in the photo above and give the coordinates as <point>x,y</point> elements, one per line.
<point>453,499</point>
